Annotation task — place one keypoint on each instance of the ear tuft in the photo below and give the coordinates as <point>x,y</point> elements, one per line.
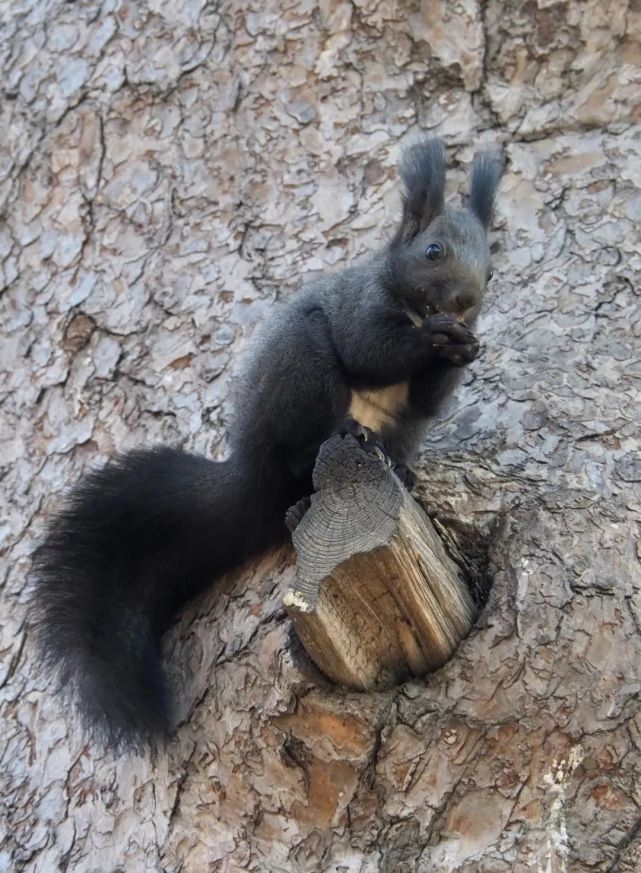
<point>422,171</point>
<point>487,168</point>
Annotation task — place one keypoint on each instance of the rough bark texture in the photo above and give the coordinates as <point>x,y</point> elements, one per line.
<point>168,169</point>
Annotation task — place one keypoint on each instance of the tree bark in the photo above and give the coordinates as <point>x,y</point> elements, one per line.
<point>168,170</point>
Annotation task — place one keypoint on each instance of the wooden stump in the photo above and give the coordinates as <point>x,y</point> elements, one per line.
<point>377,598</point>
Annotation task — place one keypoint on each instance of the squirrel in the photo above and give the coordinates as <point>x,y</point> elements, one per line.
<point>378,344</point>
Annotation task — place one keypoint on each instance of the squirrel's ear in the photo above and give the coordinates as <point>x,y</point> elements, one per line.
<point>487,168</point>
<point>422,171</point>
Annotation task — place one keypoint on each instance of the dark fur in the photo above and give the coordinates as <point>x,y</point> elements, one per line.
<point>422,172</point>
<point>140,537</point>
<point>486,173</point>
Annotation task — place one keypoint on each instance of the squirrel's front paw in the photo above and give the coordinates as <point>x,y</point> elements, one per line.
<point>451,340</point>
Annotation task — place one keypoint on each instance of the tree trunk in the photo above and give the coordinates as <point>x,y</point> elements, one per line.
<point>170,169</point>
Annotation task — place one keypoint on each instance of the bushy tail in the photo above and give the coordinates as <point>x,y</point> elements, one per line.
<point>135,541</point>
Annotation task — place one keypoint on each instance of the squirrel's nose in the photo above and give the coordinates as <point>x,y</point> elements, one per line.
<point>464,301</point>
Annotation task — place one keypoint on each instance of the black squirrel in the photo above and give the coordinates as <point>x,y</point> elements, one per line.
<point>380,341</point>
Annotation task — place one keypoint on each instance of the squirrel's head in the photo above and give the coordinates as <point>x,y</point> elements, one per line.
<point>440,257</point>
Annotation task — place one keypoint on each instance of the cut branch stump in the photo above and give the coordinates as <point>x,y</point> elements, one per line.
<point>377,598</point>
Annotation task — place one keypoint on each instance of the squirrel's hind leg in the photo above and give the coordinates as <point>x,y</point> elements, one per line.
<point>375,443</point>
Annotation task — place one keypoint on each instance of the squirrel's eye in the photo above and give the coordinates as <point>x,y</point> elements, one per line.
<point>490,274</point>
<point>434,252</point>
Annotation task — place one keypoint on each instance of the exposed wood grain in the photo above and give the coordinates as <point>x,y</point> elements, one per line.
<point>376,597</point>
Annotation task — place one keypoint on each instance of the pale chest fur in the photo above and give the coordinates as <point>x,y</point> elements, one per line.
<point>379,409</point>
